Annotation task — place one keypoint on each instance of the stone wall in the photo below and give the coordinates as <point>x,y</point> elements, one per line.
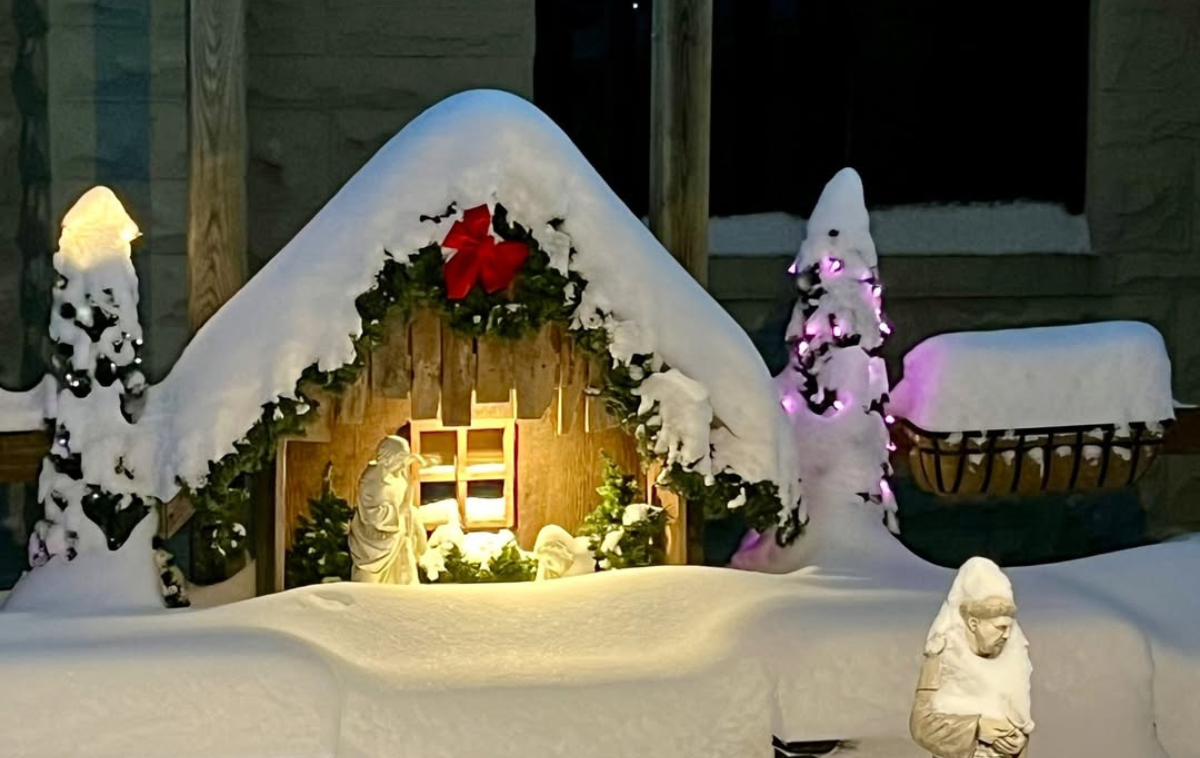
<point>117,112</point>
<point>12,337</point>
<point>331,80</point>
<point>1144,195</point>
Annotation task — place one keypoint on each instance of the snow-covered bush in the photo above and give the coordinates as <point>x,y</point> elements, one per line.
<point>622,531</point>
<point>320,550</point>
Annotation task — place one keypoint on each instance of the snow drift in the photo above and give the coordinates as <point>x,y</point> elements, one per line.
<point>673,661</point>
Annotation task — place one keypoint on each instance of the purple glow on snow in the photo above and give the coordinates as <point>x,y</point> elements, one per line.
<point>883,327</point>
<point>889,419</point>
<point>792,268</point>
<point>832,265</point>
<point>838,405</point>
<point>811,330</point>
<point>891,446</point>
<point>877,291</point>
<point>801,347</point>
<point>789,404</point>
<point>750,540</point>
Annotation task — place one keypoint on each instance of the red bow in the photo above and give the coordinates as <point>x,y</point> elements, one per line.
<point>479,256</point>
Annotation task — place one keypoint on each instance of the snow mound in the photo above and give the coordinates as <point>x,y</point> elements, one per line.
<point>27,411</point>
<point>474,148</point>
<point>96,581</point>
<point>599,665</point>
<point>1112,372</point>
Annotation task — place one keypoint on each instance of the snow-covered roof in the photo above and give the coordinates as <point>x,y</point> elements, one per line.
<point>474,148</point>
<point>1111,372</point>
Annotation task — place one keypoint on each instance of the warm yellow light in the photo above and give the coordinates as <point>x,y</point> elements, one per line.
<point>485,510</point>
<point>99,214</point>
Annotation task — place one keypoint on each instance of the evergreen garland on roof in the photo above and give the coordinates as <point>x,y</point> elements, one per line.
<point>539,294</point>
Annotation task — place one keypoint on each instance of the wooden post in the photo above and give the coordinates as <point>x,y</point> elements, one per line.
<point>217,147</point>
<point>680,121</point>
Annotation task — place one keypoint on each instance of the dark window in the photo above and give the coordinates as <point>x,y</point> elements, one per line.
<point>939,101</point>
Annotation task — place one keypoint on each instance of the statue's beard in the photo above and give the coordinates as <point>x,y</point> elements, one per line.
<point>988,651</point>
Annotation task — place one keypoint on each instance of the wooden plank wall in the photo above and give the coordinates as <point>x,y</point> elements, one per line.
<point>443,373</point>
<point>543,380</point>
<point>557,474</point>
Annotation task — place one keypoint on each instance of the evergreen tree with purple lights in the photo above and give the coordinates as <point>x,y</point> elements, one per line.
<point>835,386</point>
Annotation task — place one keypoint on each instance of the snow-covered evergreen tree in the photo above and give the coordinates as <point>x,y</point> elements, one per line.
<point>835,386</point>
<point>96,339</point>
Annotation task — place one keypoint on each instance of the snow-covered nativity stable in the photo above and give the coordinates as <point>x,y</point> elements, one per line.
<point>478,289</point>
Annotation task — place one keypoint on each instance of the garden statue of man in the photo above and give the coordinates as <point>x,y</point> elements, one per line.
<point>387,537</point>
<point>972,699</point>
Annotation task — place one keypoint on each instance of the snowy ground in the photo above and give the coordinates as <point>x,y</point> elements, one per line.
<point>675,661</point>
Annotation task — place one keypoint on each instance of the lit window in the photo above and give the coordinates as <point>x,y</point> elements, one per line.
<point>470,475</point>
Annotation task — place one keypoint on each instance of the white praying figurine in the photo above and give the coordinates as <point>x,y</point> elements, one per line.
<point>972,699</point>
<point>387,537</point>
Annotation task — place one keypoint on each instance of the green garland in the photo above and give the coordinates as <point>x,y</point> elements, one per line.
<point>539,295</point>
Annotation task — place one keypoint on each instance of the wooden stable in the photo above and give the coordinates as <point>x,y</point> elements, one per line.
<point>518,417</point>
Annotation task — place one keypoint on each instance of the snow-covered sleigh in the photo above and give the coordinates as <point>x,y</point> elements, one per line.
<point>1029,411</point>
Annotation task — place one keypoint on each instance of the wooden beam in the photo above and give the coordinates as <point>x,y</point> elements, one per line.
<point>352,404</point>
<point>175,513</point>
<point>572,378</point>
<point>535,372</point>
<point>266,529</point>
<point>425,337</point>
<point>276,555</point>
<point>680,125</point>
<point>217,147</point>
<point>678,549</point>
<point>597,417</point>
<point>391,362</point>
<point>21,455</point>
<point>680,128</point>
<point>493,370</point>
<point>1183,437</point>
<point>458,376</point>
